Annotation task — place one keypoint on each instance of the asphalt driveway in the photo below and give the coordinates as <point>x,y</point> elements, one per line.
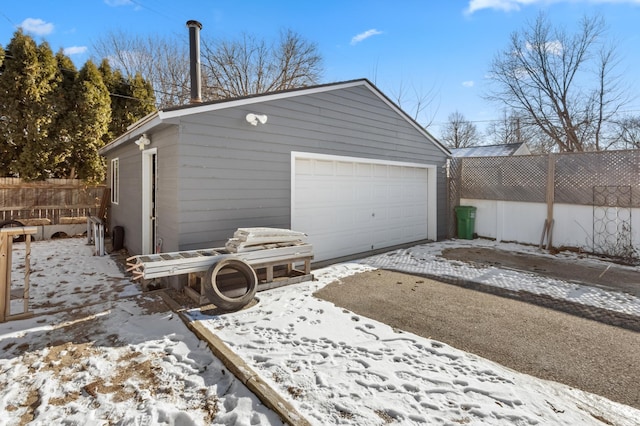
<point>546,343</point>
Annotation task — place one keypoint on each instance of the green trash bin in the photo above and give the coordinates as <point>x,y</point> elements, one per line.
<point>466,216</point>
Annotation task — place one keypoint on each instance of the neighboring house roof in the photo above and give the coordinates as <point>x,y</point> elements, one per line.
<point>503,150</point>
<point>169,115</point>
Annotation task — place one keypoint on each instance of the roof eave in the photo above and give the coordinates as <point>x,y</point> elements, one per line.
<point>176,112</point>
<point>141,126</point>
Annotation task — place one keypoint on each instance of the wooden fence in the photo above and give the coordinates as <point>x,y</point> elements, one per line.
<point>607,183</point>
<point>49,202</point>
<point>526,178</point>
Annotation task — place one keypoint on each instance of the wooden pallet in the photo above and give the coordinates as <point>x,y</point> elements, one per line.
<point>271,274</point>
<point>271,252</point>
<point>275,265</point>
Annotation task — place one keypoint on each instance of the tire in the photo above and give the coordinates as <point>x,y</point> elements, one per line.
<point>13,224</point>
<point>225,297</point>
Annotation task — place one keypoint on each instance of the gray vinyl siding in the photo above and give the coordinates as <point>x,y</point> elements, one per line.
<point>232,174</point>
<point>168,173</point>
<point>127,213</point>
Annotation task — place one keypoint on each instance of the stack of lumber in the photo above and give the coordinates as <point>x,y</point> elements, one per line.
<point>252,239</point>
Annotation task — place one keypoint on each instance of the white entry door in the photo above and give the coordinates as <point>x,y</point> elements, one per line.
<point>348,205</point>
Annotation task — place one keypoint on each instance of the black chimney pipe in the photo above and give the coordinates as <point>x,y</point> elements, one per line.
<point>194,60</point>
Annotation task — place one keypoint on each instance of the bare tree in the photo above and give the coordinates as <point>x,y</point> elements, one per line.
<point>546,76</point>
<point>459,132</point>
<point>162,61</point>
<point>231,68</point>
<point>628,132</point>
<point>250,66</point>
<point>515,128</point>
<point>506,130</point>
<point>418,103</point>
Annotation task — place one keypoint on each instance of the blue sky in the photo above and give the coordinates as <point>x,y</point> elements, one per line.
<point>439,49</point>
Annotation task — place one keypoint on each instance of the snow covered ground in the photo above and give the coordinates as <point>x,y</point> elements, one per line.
<point>424,259</point>
<point>99,351</point>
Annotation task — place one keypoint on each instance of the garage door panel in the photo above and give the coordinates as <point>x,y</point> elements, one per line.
<point>361,214</point>
<point>380,171</point>
<point>328,246</point>
<point>411,218</point>
<point>324,168</point>
<point>396,193</point>
<point>344,169</point>
<point>381,191</point>
<point>396,173</point>
<point>342,193</point>
<point>364,170</point>
<point>395,213</point>
<point>304,166</point>
<point>354,206</point>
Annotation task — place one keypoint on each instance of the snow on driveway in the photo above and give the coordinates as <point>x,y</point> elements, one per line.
<point>425,259</point>
<point>340,368</point>
<point>119,356</point>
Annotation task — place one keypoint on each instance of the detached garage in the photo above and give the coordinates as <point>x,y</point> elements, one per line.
<point>340,162</point>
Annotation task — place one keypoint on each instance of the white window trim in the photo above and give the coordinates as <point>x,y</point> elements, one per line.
<point>115,181</point>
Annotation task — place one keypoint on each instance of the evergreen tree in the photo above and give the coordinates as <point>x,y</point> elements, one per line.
<point>36,161</point>
<point>53,119</point>
<point>93,108</point>
<point>117,89</point>
<point>66,123</point>
<point>107,74</point>
<point>131,99</point>
<point>144,100</point>
<point>26,84</point>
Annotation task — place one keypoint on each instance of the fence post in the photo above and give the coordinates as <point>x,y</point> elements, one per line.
<point>27,272</point>
<point>547,229</point>
<point>5,275</point>
<point>6,247</point>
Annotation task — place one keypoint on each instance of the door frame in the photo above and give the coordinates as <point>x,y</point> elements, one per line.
<point>149,192</point>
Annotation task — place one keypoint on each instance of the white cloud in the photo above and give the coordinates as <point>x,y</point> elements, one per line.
<point>364,35</point>
<point>116,3</point>
<point>37,26</point>
<point>504,5</point>
<point>515,5</point>
<point>468,83</point>
<point>553,47</point>
<point>74,50</point>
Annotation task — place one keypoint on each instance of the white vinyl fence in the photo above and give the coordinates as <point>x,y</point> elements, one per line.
<point>591,200</point>
<point>573,226</point>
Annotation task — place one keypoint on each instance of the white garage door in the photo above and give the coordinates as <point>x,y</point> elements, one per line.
<point>349,206</point>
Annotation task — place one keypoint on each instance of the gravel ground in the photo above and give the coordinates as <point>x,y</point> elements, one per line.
<point>542,342</point>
